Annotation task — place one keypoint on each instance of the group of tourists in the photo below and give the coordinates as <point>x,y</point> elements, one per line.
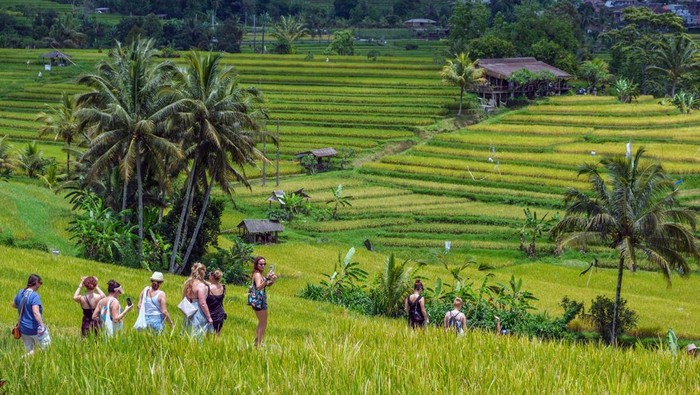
<point>453,320</point>
<point>202,306</point>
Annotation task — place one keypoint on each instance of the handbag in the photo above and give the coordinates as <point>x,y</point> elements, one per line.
<point>187,307</point>
<point>140,323</point>
<point>255,297</point>
<point>16,333</point>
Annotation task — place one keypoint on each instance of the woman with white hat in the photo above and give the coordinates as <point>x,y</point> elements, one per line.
<point>152,300</point>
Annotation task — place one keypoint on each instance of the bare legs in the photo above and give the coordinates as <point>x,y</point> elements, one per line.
<point>262,325</point>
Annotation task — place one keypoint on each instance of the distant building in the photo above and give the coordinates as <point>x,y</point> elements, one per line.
<point>102,10</point>
<point>419,23</point>
<point>499,88</point>
<point>260,231</point>
<point>322,155</point>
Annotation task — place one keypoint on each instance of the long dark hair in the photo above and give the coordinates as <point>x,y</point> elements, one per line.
<point>112,285</point>
<point>418,285</point>
<point>33,280</point>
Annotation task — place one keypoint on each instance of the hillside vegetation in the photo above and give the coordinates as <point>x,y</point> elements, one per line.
<point>318,348</point>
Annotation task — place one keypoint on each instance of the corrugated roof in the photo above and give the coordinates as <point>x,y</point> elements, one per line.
<point>503,68</point>
<point>261,225</point>
<point>55,54</point>
<point>319,153</point>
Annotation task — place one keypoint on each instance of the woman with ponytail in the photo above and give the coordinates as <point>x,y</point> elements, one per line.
<point>415,307</point>
<point>196,292</point>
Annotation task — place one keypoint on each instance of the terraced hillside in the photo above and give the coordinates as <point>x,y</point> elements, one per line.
<point>345,102</point>
<point>471,186</point>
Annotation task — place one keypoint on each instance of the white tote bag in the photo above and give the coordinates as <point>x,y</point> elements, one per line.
<point>187,307</point>
<point>108,326</point>
<point>140,323</point>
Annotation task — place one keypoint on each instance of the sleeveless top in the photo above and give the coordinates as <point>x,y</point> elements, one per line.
<point>216,305</point>
<point>87,313</point>
<point>151,304</point>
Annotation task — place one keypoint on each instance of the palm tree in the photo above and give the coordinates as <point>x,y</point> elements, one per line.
<point>633,210</point>
<point>31,159</point>
<point>62,123</point>
<point>339,200</point>
<point>462,72</point>
<point>222,123</point>
<point>674,57</point>
<point>125,107</point>
<point>287,31</point>
<point>393,284</point>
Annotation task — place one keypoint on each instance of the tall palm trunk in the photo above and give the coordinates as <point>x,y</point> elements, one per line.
<point>139,183</point>
<point>68,159</point>
<point>461,95</point>
<point>620,268</point>
<point>185,208</point>
<point>197,227</point>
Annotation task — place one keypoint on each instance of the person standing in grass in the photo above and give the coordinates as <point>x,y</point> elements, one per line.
<point>88,302</point>
<point>31,313</point>
<point>455,319</point>
<point>415,307</point>
<point>260,284</point>
<point>153,300</point>
<point>196,291</point>
<point>215,300</point>
<point>109,312</point>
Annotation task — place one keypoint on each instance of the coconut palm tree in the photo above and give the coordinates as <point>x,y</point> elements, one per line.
<point>674,57</point>
<point>125,109</point>
<point>634,210</point>
<point>287,31</point>
<point>462,72</point>
<point>7,164</point>
<point>222,123</point>
<point>62,123</point>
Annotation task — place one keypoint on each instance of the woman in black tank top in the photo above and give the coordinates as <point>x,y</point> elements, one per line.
<point>215,300</point>
<point>88,303</point>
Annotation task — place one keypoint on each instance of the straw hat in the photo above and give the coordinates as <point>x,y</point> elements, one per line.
<point>157,276</point>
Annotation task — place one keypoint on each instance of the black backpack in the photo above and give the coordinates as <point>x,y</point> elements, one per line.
<point>414,311</point>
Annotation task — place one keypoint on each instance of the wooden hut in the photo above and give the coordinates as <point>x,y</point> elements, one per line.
<point>260,231</point>
<point>57,58</point>
<point>322,155</point>
<point>499,88</point>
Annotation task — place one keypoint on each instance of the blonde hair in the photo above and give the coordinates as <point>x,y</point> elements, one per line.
<point>217,274</point>
<point>458,300</point>
<point>198,272</point>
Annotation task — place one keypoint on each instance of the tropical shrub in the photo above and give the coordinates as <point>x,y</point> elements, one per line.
<point>601,316</point>
<point>231,262</point>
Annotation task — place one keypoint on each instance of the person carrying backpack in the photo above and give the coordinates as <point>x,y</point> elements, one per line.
<point>456,320</point>
<point>415,307</point>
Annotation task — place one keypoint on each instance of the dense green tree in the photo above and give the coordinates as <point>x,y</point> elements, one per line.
<point>490,46</point>
<point>633,209</point>
<point>124,109</point>
<point>462,72</point>
<point>343,43</point>
<point>343,8</point>
<point>469,21</point>
<point>229,35</point>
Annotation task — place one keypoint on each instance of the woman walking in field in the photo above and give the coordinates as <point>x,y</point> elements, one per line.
<point>257,297</point>
<point>88,302</point>
<point>215,300</point>
<point>152,299</point>
<point>415,307</point>
<point>196,291</point>
<point>31,319</point>
<point>109,312</point>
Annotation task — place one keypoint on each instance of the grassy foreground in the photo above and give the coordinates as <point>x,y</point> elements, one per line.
<point>310,347</point>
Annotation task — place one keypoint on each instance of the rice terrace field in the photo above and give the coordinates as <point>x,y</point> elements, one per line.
<point>417,180</point>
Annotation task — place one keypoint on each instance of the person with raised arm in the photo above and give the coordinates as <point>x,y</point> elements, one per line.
<point>109,312</point>
<point>88,301</point>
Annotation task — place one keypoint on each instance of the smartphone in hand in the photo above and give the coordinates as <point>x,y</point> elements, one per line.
<point>128,302</point>
<point>272,269</point>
